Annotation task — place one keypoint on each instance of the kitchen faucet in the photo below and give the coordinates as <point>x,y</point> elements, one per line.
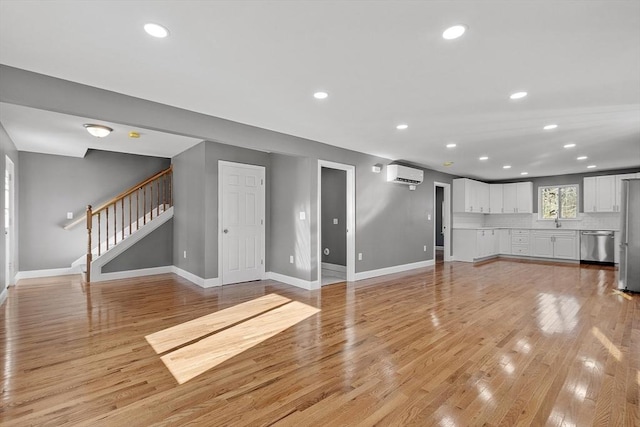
<point>558,225</point>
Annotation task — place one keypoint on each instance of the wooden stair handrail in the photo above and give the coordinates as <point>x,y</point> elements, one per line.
<point>119,197</point>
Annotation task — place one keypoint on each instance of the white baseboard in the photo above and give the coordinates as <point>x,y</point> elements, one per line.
<point>203,283</point>
<point>3,296</point>
<point>294,281</point>
<point>127,274</point>
<point>395,269</point>
<point>334,267</point>
<point>35,274</point>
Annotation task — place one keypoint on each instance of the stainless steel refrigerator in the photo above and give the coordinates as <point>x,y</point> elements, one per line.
<point>629,272</point>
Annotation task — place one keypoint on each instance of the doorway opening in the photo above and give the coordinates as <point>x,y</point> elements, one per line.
<point>441,228</point>
<point>9,229</point>
<point>336,222</point>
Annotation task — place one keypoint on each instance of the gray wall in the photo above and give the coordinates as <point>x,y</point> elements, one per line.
<point>7,148</point>
<point>154,250</point>
<point>391,224</point>
<point>334,206</point>
<point>51,186</point>
<point>196,203</point>
<point>576,178</point>
<point>290,235</point>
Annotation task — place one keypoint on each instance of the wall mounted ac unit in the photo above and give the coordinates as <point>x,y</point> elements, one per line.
<point>404,175</point>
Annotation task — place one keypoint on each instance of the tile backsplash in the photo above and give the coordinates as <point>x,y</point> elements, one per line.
<point>585,221</point>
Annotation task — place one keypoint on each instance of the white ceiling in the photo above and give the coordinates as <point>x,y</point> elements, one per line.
<point>383,63</point>
<point>32,130</point>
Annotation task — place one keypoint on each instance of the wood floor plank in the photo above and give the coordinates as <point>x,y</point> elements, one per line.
<point>502,342</point>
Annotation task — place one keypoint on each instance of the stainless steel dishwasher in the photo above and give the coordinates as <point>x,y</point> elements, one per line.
<point>597,246</point>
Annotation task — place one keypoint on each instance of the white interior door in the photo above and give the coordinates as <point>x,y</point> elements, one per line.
<point>241,198</point>
<point>8,219</point>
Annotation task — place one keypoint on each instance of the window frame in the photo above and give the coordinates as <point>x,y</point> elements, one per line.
<point>558,186</point>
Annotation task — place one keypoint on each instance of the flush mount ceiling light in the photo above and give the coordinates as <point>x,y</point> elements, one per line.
<point>518,95</point>
<point>483,158</point>
<point>582,158</point>
<point>402,126</point>
<point>569,145</point>
<point>99,131</point>
<point>452,145</point>
<point>506,167</point>
<point>550,127</point>
<point>454,32</point>
<point>320,95</point>
<point>156,30</point>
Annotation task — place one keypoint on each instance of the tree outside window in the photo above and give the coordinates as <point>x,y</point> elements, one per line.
<point>559,202</point>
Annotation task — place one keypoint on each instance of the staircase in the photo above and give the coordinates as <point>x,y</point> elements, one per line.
<point>119,223</point>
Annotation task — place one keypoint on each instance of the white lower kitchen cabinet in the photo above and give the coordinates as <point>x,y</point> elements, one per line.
<point>504,241</point>
<point>471,245</point>
<point>555,244</point>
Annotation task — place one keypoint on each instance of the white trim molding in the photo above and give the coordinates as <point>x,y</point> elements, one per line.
<point>197,280</point>
<point>395,269</point>
<point>3,296</point>
<point>334,267</point>
<point>293,281</point>
<point>127,274</point>
<point>52,272</point>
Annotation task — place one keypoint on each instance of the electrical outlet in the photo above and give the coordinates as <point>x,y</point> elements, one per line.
<point>290,259</point>
<point>335,221</point>
<point>360,256</point>
<point>69,215</point>
<point>184,254</point>
<point>425,248</point>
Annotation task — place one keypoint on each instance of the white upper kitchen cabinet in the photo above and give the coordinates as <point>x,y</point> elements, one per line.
<point>470,196</point>
<point>495,198</point>
<point>603,193</point>
<point>589,194</point>
<point>518,197</point>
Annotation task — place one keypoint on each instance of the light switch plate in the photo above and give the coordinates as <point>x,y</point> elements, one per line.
<point>69,215</point>
<point>303,216</point>
<point>335,221</point>
<point>428,217</point>
<point>360,256</point>
<point>291,259</point>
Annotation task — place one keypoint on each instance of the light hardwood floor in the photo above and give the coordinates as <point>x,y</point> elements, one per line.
<point>501,343</point>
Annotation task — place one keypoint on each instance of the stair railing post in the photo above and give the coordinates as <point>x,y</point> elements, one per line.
<point>89,254</point>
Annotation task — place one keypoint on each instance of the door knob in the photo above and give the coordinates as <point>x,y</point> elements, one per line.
<point>225,231</point>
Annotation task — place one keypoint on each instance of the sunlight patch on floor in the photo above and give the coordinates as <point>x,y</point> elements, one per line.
<point>264,321</point>
<point>183,333</point>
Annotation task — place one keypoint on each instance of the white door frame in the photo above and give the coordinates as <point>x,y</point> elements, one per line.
<point>264,204</point>
<point>10,236</point>
<point>446,219</point>
<point>351,217</point>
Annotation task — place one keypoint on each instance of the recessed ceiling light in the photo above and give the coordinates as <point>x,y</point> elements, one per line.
<point>452,145</point>
<point>518,95</point>
<point>484,158</point>
<point>402,126</point>
<point>99,131</point>
<point>506,167</point>
<point>524,173</point>
<point>549,127</point>
<point>320,95</point>
<point>582,158</point>
<point>591,166</point>
<point>569,145</point>
<point>156,30</point>
<point>454,32</point>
